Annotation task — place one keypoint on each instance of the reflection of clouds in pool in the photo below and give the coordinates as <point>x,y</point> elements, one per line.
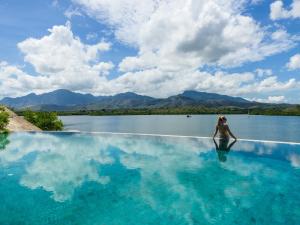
<point>268,149</point>
<point>295,160</point>
<point>172,194</point>
<point>159,184</point>
<point>259,149</point>
<point>175,193</point>
<point>156,146</point>
<point>163,151</point>
<point>23,144</point>
<point>63,162</point>
<point>244,146</point>
<point>175,173</point>
<point>242,186</point>
<point>159,160</point>
<point>247,167</point>
<point>60,174</point>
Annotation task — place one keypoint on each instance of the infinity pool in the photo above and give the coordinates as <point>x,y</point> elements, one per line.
<point>110,179</point>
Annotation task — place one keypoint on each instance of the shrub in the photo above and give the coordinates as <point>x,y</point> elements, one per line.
<point>30,116</point>
<point>4,119</point>
<point>44,120</point>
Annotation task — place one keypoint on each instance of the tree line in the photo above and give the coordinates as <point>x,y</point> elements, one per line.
<point>284,111</point>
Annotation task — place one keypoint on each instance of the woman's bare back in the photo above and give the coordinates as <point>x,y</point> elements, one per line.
<point>223,130</point>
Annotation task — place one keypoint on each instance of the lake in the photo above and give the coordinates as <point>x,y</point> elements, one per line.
<point>275,128</point>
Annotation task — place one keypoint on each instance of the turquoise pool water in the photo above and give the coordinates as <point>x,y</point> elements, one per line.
<point>108,179</point>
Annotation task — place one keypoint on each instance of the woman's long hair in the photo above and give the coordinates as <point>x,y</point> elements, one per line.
<point>220,120</point>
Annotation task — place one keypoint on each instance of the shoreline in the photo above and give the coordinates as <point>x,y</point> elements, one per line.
<point>199,114</point>
<point>19,124</point>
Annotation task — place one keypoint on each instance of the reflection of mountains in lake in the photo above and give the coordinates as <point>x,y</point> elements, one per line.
<point>67,100</point>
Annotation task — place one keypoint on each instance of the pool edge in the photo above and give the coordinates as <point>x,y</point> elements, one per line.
<point>159,135</point>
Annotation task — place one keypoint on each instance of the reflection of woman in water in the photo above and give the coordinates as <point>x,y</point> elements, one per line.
<point>223,128</point>
<point>223,148</point>
<point>224,134</point>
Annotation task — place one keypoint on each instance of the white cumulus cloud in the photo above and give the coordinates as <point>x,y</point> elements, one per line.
<point>61,60</point>
<point>276,99</point>
<point>271,99</point>
<point>174,41</point>
<point>278,11</point>
<point>179,34</point>
<point>70,12</point>
<point>294,62</point>
<point>59,51</point>
<point>162,84</point>
<point>263,72</point>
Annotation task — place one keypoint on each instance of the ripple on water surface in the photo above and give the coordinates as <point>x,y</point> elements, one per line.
<point>62,178</point>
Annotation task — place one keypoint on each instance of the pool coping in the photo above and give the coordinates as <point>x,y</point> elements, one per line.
<point>160,135</point>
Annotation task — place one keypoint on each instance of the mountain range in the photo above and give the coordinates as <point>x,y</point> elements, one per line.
<point>65,100</point>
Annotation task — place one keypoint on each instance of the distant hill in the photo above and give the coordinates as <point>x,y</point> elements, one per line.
<point>212,98</point>
<point>194,98</point>
<point>59,97</point>
<point>123,100</point>
<point>65,100</point>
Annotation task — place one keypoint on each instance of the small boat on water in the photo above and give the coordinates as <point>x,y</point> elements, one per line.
<point>188,116</point>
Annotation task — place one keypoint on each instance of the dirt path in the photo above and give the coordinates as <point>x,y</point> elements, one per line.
<point>17,123</point>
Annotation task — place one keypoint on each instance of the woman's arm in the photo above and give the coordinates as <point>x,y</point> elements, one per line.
<point>216,131</point>
<point>216,145</point>
<point>230,133</point>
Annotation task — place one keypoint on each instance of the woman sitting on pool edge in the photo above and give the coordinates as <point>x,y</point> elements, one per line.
<point>223,128</point>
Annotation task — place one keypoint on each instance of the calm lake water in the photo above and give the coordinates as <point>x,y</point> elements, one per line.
<point>111,179</point>
<point>276,128</point>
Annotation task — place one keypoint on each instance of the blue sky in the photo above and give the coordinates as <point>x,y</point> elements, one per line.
<point>158,48</point>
